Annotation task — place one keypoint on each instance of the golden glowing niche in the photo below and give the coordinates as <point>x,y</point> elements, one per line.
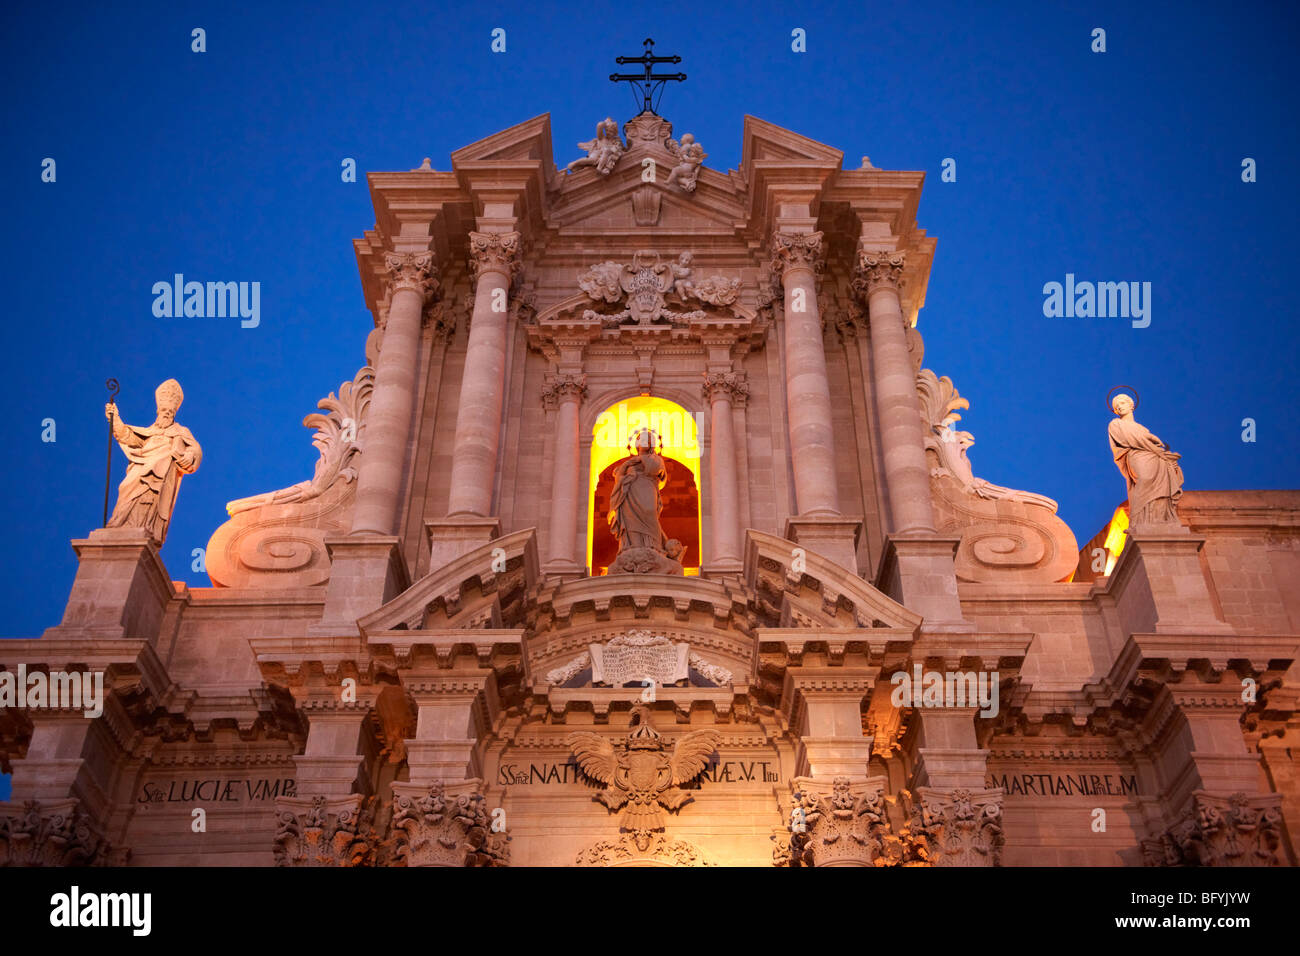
<point>677,429</point>
<point>1116,536</point>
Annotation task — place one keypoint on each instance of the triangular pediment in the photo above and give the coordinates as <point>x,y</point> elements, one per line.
<point>764,142</point>
<point>588,203</point>
<point>530,139</point>
<point>584,201</point>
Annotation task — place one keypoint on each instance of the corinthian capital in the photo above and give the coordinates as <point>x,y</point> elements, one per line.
<point>494,252</point>
<point>792,250</point>
<point>564,387</point>
<point>954,828</point>
<point>412,270</point>
<point>437,828</point>
<point>729,385</point>
<point>876,269</point>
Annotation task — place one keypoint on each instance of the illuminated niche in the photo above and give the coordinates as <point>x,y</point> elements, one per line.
<point>676,428</point>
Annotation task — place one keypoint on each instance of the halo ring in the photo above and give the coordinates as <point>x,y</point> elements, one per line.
<point>1110,397</point>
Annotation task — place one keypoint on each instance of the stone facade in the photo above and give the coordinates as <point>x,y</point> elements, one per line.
<point>388,669</point>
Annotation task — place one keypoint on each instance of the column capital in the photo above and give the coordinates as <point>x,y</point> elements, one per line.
<point>494,252</point>
<point>842,822</point>
<point>797,250</point>
<point>877,269</point>
<point>732,386</point>
<point>954,827</point>
<point>412,270</point>
<point>564,387</point>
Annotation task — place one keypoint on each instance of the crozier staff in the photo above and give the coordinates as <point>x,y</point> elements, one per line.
<point>159,454</point>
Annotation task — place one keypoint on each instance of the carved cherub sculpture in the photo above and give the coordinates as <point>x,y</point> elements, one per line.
<point>682,274</point>
<point>690,157</point>
<point>603,152</point>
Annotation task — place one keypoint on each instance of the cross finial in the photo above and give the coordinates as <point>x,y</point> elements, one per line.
<point>649,83</point>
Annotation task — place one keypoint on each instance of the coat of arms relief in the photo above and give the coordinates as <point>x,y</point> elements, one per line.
<point>643,775</point>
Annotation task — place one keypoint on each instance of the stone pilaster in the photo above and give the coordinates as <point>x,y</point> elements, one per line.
<point>797,258</point>
<point>494,262</point>
<point>917,566</point>
<point>566,390</point>
<point>412,284</point>
<point>723,390</point>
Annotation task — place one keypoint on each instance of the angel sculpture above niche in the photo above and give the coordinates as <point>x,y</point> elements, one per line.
<point>603,152</point>
<point>690,157</point>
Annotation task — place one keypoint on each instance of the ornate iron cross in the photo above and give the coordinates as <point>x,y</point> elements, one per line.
<point>649,83</point>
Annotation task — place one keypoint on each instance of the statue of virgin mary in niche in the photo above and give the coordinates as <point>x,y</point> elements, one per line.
<point>635,504</point>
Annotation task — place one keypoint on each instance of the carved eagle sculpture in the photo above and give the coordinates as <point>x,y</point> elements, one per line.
<point>641,774</point>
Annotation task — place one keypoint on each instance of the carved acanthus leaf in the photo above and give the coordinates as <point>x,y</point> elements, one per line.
<point>338,438</point>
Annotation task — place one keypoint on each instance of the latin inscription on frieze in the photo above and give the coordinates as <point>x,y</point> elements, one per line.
<point>1064,785</point>
<point>217,790</point>
<point>722,772</point>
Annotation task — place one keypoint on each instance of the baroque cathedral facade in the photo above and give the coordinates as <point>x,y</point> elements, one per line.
<point>644,536</point>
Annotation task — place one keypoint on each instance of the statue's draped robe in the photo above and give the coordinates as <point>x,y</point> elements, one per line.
<point>635,502</point>
<point>153,477</point>
<point>1155,480</point>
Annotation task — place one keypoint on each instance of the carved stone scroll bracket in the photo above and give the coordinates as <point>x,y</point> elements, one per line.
<point>1006,535</point>
<point>277,539</point>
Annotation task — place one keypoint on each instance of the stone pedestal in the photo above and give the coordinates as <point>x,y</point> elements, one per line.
<point>917,571</point>
<point>835,538</point>
<point>1159,586</point>
<point>367,570</point>
<point>121,589</point>
<point>449,538</point>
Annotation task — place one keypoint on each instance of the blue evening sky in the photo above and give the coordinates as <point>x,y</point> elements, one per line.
<point>225,165</point>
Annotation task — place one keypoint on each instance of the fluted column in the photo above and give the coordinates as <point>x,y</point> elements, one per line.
<point>796,258</point>
<point>392,404</point>
<point>494,259</point>
<point>567,391</point>
<point>879,276</point>
<point>721,389</point>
